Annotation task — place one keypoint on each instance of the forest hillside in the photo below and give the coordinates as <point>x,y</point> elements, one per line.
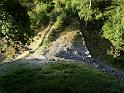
<point>61,44</point>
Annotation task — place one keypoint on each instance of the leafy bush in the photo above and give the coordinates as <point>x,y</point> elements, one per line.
<point>113,28</point>
<point>39,15</point>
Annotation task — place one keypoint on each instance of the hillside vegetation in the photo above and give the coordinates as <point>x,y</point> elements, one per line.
<point>69,28</point>
<point>100,21</point>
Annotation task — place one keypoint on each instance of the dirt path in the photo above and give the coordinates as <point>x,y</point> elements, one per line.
<point>105,68</point>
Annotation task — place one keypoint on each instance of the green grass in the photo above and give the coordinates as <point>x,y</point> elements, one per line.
<point>59,78</point>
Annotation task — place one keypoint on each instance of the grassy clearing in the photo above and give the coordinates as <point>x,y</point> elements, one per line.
<point>58,78</point>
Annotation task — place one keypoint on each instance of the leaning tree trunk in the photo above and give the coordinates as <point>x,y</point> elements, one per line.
<point>91,3</point>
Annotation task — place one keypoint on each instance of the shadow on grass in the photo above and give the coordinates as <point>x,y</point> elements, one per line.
<point>58,78</point>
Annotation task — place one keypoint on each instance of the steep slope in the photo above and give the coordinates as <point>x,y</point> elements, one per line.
<point>70,46</point>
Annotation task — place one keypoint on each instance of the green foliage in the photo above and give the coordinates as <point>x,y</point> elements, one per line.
<point>101,16</point>
<point>113,28</point>
<point>39,15</point>
<point>14,21</point>
<point>105,18</point>
<point>59,78</point>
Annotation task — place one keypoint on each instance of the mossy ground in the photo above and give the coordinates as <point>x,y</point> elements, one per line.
<point>58,78</point>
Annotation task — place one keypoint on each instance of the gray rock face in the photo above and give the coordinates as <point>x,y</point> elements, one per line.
<point>72,50</point>
<point>78,51</point>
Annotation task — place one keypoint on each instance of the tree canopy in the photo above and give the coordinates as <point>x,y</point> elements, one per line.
<point>19,18</point>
